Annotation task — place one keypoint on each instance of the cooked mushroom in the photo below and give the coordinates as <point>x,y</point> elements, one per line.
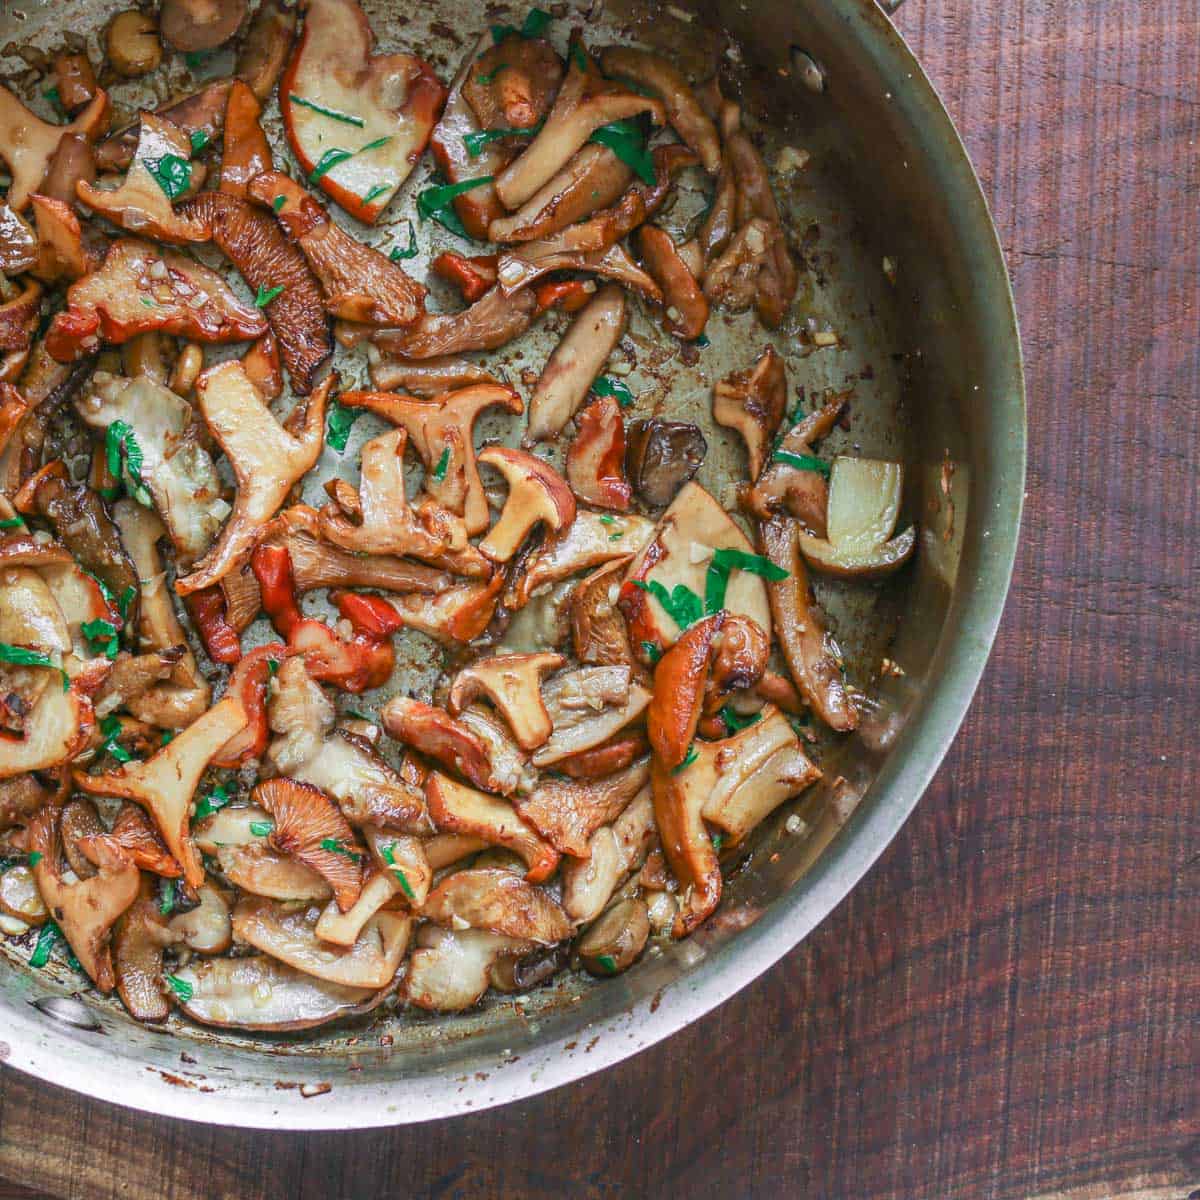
<point>661,456</point>
<point>456,808</point>
<point>678,700</point>
<point>160,173</point>
<point>75,81</point>
<point>18,243</point>
<point>57,729</point>
<point>457,615</point>
<point>450,969</point>
<point>20,898</point>
<point>131,44</point>
<point>27,143</point>
<point>403,859</point>
<point>164,784</point>
<point>685,307</point>
<point>513,83</point>
<point>509,767</point>
<point>84,911</point>
<point>598,633</point>
<point>753,402</point>
<point>596,457</point>
<point>536,493</point>
<point>566,812</point>
<point>587,706</point>
<point>741,650</point>
<point>266,457</point>
<point>436,734</point>
<point>613,943</point>
<point>264,49</point>
<point>491,322</point>
<point>134,835</point>
<point>442,431</point>
<point>192,25</point>
<point>614,852</point>
<point>61,253</point>
<point>20,797</point>
<point>497,901</point>
<point>205,928</point>
<point>141,287</point>
<point>393,101</point>
<point>517,269</point>
<point>427,377</point>
<point>140,936</point>
<point>19,317</point>
<point>198,115</point>
<point>734,278</point>
<point>512,682</point>
<point>859,562</point>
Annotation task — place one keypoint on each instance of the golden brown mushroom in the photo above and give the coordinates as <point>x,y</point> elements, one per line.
<point>753,402</point>
<point>536,494</point>
<point>596,457</point>
<point>512,682</point>
<point>193,25</point>
<point>498,901</point>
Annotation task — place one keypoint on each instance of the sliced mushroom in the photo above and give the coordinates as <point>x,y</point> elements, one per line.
<point>499,902</point>
<point>614,852</point>
<point>237,838</point>
<point>442,431</point>
<point>587,706</point>
<point>436,734</point>
<point>20,898</point>
<point>741,651</point>
<point>394,99</point>
<point>164,784</point>
<point>598,633</point>
<point>512,682</point>
<point>596,458</point>
<point>734,279</point>
<point>85,911</point>
<point>18,243</point>
<point>662,456</point>
<point>135,837</point>
<point>138,942</point>
<point>19,317</point>
<point>427,378</point>
<point>450,969</point>
<point>536,494</point>
<point>615,941</point>
<point>491,322</point>
<point>859,562</point>
<point>131,44</point>
<point>20,797</point>
<point>73,161</point>
<point>249,682</point>
<point>455,616</point>
<point>507,759</point>
<point>205,928</point>
<point>456,808</point>
<point>678,700</point>
<point>61,252</point>
<point>264,49</point>
<point>267,459</point>
<point>517,269</point>
<point>58,728</point>
<point>810,653</point>
<point>753,402</point>
<point>344,928</point>
<point>685,307</point>
<point>142,203</point>
<point>193,25</point>
<point>513,83</point>
<point>197,115</point>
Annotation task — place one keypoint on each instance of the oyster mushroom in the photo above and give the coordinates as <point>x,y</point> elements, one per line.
<point>394,101</point>
<point>139,288</point>
<point>517,269</point>
<point>193,25</point>
<point>85,911</point>
<point>614,852</point>
<point>160,172</point>
<point>598,633</point>
<point>499,902</point>
<point>133,834</point>
<point>58,728</point>
<point>265,48</point>
<point>267,459</point>
<point>733,279</point>
<point>358,282</point>
<point>139,939</point>
<point>206,928</point>
<point>808,649</point>
<point>472,276</point>
<point>18,242</point>
<point>450,969</point>
<point>455,616</point>
<point>442,431</point>
<point>512,682</point>
<point>685,307</point>
<point>164,784</point>
<point>197,115</point>
<point>426,378</point>
<point>491,322</point>
<point>28,144</point>
<point>566,812</point>
<point>661,456</point>
<point>740,653</point>
<point>61,252</point>
<point>456,808</point>
<point>676,706</point>
<point>536,493</point>
<point>345,928</point>
<point>249,681</point>
<point>509,767</point>
<point>439,736</point>
<point>19,317</point>
<point>753,402</point>
<point>587,706</point>
<point>615,941</point>
<point>619,752</point>
<point>596,457</point>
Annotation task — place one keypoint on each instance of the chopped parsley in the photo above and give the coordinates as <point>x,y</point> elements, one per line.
<point>607,520</point>
<point>653,651</point>
<point>718,840</point>
<point>216,800</point>
<point>47,936</point>
<point>278,203</point>
<point>12,523</point>
<point>333,114</point>
<point>199,139</point>
<point>389,856</point>
<point>702,341</point>
<point>398,253</point>
<point>336,847</point>
<point>104,632</point>
<point>120,441</point>
<point>52,94</point>
<point>443,464</point>
<point>341,419</point>
<point>172,173</point>
<point>328,161</point>
<point>803,462</point>
<point>166,905</point>
<point>533,26</point>
<point>194,59</point>
<point>22,656</point>
<point>605,385</point>
<point>627,141</point>
<point>489,77</point>
<point>380,189</point>
<point>262,828</point>
<point>682,605</point>
<point>181,988</point>
<point>438,202</point>
<point>728,559</point>
<point>608,963</point>
<point>689,758</point>
<point>475,142</point>
<point>264,296</point>
<point>110,727</point>
<point>35,857</point>
<point>734,721</point>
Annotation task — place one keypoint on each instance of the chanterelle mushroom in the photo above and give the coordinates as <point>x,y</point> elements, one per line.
<point>536,493</point>
<point>753,402</point>
<point>267,459</point>
<point>491,322</point>
<point>596,458</point>
<point>512,682</point>
<point>498,901</point>
<point>587,706</point>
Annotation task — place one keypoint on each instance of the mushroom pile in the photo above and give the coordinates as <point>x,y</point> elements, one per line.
<point>220,791</point>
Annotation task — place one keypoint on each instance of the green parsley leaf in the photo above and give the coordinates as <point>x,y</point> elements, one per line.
<point>627,141</point>
<point>120,440</point>
<point>341,419</point>
<point>718,840</point>
<point>803,462</point>
<point>262,828</point>
<point>101,631</point>
<point>272,666</point>
<point>20,656</point>
<point>194,59</point>
<point>389,857</point>
<point>47,936</point>
<point>607,520</point>
<point>734,720</point>
<point>278,202</point>
<point>726,560</point>
<point>328,161</point>
<point>535,23</point>
<point>652,651</point>
<point>381,141</point>
<point>688,759</point>
<point>181,988</point>
<point>52,94</point>
<point>380,189</point>
<point>438,202</point>
<point>399,253</point>
<point>35,857</point>
<point>110,727</point>
<point>12,523</point>
<point>336,847</point>
<point>199,139</point>
<point>605,385</point>
<point>443,464</point>
<point>333,113</point>
<point>166,905</point>
<point>264,296</point>
<point>216,800</point>
<point>124,600</point>
<point>172,173</point>
<point>167,737</point>
<point>489,77</point>
<point>682,605</point>
<point>702,341</point>
<point>476,141</point>
<point>608,963</point>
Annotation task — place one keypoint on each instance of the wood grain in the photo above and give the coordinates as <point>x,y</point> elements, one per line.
<point>1007,1007</point>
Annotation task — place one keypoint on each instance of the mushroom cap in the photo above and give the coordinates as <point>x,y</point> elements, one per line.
<point>513,684</point>
<point>536,493</point>
<point>192,25</point>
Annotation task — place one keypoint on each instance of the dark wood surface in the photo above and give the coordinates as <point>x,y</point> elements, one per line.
<point>1009,1006</point>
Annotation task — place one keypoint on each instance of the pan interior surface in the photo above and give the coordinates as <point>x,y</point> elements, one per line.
<point>899,259</point>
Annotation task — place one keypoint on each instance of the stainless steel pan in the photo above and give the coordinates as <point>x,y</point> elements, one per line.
<point>929,341</point>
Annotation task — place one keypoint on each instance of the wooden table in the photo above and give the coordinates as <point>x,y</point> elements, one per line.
<point>1009,1005</point>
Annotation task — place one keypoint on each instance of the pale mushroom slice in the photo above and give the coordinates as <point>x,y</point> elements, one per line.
<point>427,378</point>
<point>340,928</point>
<point>160,173</point>
<point>510,768</point>
<point>537,494</point>
<point>497,901</point>
<point>614,852</point>
<point>495,319</point>
<point>753,402</point>
<point>587,706</point>
<point>517,269</point>
<point>512,682</point>
<point>576,361</point>
<point>456,808</point>
<point>615,941</point>
<point>59,727</point>
<point>206,929</point>
<point>264,996</point>
<point>267,459</point>
<point>567,812</point>
<point>450,969</point>
<point>18,243</point>
<point>291,937</point>
<point>20,898</point>
<point>87,910</point>
<point>28,144</point>
<point>599,635</point>
<point>164,784</point>
<point>442,431</point>
<point>139,939</point>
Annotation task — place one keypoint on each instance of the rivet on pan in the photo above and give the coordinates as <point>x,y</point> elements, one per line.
<point>811,73</point>
<point>68,1011</point>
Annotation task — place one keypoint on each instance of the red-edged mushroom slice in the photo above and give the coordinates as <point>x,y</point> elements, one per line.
<point>753,402</point>
<point>160,173</point>
<point>450,969</point>
<point>134,835</point>
<point>359,283</point>
<point>566,812</point>
<point>512,682</point>
<point>584,103</point>
<point>616,754</point>
<point>193,25</point>
<point>310,828</point>
<point>691,529</point>
<point>245,152</point>
<point>85,911</point>
<point>587,706</point>
<point>809,650</point>
<point>678,700</point>
<point>291,937</point>
<point>596,457</point>
<point>452,477</point>
<point>265,48</point>
<point>682,108</point>
<point>472,276</point>
<point>741,651</point>
<point>491,322</point>
<point>164,784</point>
<point>249,681</point>
<point>500,902</point>
<point>455,616</point>
<point>61,252</point>
<point>27,143</point>
<point>140,288</point>
<point>356,122</point>
<point>267,460</point>
<point>536,494</point>
<point>456,808</point>
<point>613,852</point>
<point>685,307</point>
<point>436,734</point>
<point>575,363</point>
